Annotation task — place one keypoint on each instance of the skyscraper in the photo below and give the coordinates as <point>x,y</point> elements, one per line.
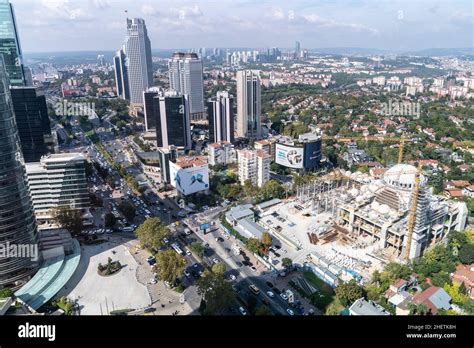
<point>121,75</point>
<point>148,107</point>
<point>136,57</point>
<point>31,114</point>
<point>248,104</point>
<point>297,50</point>
<point>18,223</point>
<point>10,45</point>
<point>185,73</point>
<point>171,114</point>
<point>221,117</point>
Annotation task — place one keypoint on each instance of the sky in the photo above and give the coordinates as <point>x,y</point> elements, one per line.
<point>99,25</point>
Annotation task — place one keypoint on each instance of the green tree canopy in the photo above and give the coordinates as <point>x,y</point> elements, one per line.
<point>70,219</point>
<point>151,233</point>
<point>347,293</point>
<point>170,265</point>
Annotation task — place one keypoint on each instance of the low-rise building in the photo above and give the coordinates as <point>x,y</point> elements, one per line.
<point>434,298</point>
<point>364,307</point>
<point>465,274</point>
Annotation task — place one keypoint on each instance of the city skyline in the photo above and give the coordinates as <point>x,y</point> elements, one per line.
<point>399,25</point>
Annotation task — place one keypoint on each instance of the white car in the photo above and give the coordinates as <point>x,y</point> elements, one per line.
<point>153,281</point>
<point>290,312</point>
<point>284,296</point>
<point>242,311</point>
<point>232,277</point>
<point>270,294</point>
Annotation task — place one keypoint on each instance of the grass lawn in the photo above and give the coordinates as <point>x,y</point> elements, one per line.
<point>326,293</point>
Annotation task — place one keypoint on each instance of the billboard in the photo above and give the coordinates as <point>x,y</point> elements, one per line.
<point>189,180</point>
<point>312,154</point>
<point>289,156</point>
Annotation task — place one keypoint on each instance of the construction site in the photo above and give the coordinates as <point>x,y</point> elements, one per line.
<point>346,225</point>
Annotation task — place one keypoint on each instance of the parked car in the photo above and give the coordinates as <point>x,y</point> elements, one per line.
<point>270,294</point>
<point>242,311</point>
<point>284,296</point>
<point>290,312</point>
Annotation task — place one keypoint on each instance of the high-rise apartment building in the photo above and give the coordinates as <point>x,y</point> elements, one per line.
<point>31,114</point>
<point>170,112</point>
<point>58,181</point>
<point>18,224</point>
<point>221,117</point>
<point>133,64</point>
<point>185,74</point>
<point>248,104</point>
<point>254,165</point>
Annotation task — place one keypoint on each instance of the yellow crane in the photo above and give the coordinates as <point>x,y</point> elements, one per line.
<point>400,150</point>
<point>412,213</point>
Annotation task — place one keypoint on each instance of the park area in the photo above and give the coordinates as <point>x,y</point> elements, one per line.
<point>97,294</point>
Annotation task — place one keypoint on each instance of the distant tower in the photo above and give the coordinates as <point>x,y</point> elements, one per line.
<point>185,74</point>
<point>136,57</point>
<point>248,104</point>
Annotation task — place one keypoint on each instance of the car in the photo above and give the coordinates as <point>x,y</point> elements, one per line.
<point>187,274</point>
<point>206,245</point>
<point>151,258</point>
<point>277,255</point>
<point>165,240</point>
<point>270,294</point>
<point>242,311</point>
<point>153,281</point>
<point>290,312</point>
<point>269,284</point>
<point>220,239</point>
<point>278,246</point>
<point>253,269</point>
<point>188,252</point>
<point>227,249</point>
<point>238,263</point>
<point>284,296</point>
<point>215,260</point>
<point>232,277</point>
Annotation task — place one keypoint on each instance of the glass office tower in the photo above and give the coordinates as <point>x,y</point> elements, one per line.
<point>10,45</point>
<point>17,220</point>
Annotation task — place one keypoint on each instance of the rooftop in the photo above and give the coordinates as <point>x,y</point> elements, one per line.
<point>363,307</point>
<point>50,279</point>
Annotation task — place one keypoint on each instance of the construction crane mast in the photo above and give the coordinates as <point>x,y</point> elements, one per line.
<point>400,150</point>
<point>412,213</point>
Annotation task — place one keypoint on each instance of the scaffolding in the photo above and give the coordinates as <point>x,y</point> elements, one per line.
<point>321,194</point>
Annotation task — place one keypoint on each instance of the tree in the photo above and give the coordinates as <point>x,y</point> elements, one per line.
<point>466,254</point>
<point>151,233</point>
<point>457,296</point>
<point>70,219</point>
<point>6,293</point>
<point>287,262</point>
<point>110,220</point>
<point>254,245</point>
<point>263,310</point>
<point>271,189</point>
<point>216,292</point>
<point>347,293</point>
<point>127,209</point>
<point>170,265</point>
<point>418,309</point>
<point>219,268</point>
<point>266,239</point>
<point>197,248</point>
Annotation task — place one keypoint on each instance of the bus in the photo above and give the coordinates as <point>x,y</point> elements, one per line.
<point>254,289</point>
<point>177,248</point>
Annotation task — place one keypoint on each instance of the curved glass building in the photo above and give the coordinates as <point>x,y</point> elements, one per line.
<point>18,228</point>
